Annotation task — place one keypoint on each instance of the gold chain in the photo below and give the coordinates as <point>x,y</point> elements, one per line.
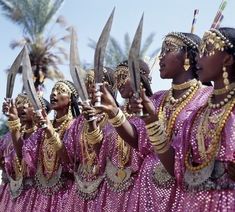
<point>212,150</point>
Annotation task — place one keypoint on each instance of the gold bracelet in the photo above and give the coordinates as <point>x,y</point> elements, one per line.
<point>119,119</point>
<point>94,137</point>
<point>14,122</point>
<point>162,149</point>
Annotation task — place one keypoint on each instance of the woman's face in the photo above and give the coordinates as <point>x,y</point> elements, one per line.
<point>25,109</point>
<point>60,96</point>
<point>171,61</point>
<point>123,82</point>
<point>210,63</point>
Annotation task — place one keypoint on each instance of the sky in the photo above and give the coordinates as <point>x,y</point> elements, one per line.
<point>89,16</point>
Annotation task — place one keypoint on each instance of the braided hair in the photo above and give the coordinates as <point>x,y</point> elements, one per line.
<point>74,97</point>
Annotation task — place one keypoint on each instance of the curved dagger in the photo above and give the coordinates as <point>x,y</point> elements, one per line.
<point>75,70</point>
<point>12,74</point>
<point>28,83</point>
<point>100,52</point>
<point>133,59</point>
<point>11,77</point>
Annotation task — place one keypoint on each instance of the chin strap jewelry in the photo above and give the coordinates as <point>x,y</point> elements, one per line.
<point>222,91</point>
<point>186,63</point>
<point>184,85</point>
<point>225,77</point>
<point>14,125</point>
<point>119,119</point>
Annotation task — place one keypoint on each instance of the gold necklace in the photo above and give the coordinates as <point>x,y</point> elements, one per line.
<point>184,85</point>
<point>184,96</point>
<point>229,96</point>
<point>171,122</point>
<point>224,90</point>
<point>212,150</point>
<point>88,153</point>
<point>63,118</point>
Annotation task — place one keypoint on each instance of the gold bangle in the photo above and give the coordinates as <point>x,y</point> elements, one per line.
<point>162,149</point>
<point>95,136</point>
<point>14,122</point>
<point>119,119</point>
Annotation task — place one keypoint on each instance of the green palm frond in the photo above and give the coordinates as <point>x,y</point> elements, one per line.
<point>147,43</point>
<point>127,43</point>
<point>33,16</point>
<point>116,54</point>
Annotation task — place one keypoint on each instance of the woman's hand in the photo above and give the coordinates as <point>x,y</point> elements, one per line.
<point>88,111</point>
<point>145,104</point>
<point>10,109</point>
<point>42,119</point>
<point>108,104</point>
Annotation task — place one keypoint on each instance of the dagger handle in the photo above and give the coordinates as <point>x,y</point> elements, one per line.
<point>137,95</point>
<point>97,88</point>
<point>87,102</point>
<point>7,112</point>
<point>39,113</point>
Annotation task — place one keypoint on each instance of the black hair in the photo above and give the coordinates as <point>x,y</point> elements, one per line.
<point>109,77</point>
<point>46,105</point>
<point>74,98</point>
<point>192,53</point>
<point>229,33</point>
<point>144,75</point>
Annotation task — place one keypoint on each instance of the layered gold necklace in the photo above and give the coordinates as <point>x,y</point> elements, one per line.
<point>214,136</point>
<point>176,108</point>
<point>50,158</point>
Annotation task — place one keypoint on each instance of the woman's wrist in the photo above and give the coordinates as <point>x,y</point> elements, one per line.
<point>113,112</point>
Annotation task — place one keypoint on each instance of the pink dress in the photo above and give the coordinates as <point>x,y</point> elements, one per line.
<point>85,190</point>
<point>157,189</point>
<point>117,192</point>
<point>210,189</point>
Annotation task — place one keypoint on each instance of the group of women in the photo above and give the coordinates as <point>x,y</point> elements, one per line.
<point>178,156</point>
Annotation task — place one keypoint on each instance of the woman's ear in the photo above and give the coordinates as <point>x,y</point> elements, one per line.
<point>228,60</point>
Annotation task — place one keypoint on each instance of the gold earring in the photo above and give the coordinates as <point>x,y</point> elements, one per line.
<point>70,115</point>
<point>186,63</point>
<point>225,77</point>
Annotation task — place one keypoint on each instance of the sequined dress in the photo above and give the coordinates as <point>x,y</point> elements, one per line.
<point>157,189</point>
<point>211,188</point>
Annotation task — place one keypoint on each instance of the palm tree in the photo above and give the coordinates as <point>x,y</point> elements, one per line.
<point>33,16</point>
<point>116,54</point>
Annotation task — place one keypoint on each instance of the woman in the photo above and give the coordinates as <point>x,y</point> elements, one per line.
<point>46,153</point>
<point>167,111</point>
<point>90,157</point>
<point>123,160</point>
<point>19,179</point>
<point>208,165</point>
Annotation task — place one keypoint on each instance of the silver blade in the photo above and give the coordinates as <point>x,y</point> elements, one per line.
<point>75,70</point>
<point>100,49</point>
<point>28,81</point>
<point>12,74</point>
<point>133,59</point>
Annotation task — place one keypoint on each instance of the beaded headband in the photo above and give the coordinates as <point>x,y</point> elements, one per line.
<point>179,39</point>
<point>218,40</point>
<point>68,86</point>
<point>123,66</point>
<point>90,76</point>
<point>21,100</point>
